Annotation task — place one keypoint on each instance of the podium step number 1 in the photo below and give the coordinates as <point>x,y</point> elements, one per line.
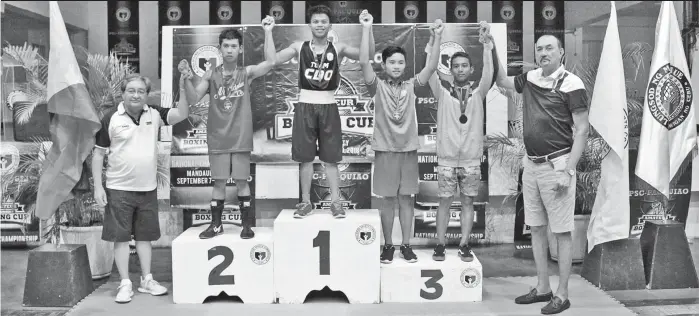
<point>319,251</point>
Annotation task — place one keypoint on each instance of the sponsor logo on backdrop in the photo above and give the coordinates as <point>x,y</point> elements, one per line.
<point>461,12</point>
<point>356,117</point>
<point>277,12</point>
<point>365,234</point>
<point>123,14</point>
<point>507,12</point>
<point>205,57</point>
<point>174,13</point>
<point>669,96</point>
<point>225,12</point>
<point>656,212</point>
<point>411,11</point>
<point>549,12</point>
<point>9,159</point>
<point>260,254</point>
<point>446,50</point>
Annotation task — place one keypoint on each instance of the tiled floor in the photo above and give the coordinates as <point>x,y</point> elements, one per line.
<point>497,261</point>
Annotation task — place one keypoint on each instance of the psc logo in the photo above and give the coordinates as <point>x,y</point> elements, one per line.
<point>260,254</point>
<point>123,14</point>
<point>9,159</point>
<point>446,50</point>
<point>277,12</point>
<point>205,57</point>
<point>411,12</point>
<point>507,12</point>
<point>669,96</point>
<point>470,278</point>
<point>365,234</point>
<point>225,12</point>
<point>549,12</point>
<point>461,12</point>
<point>174,13</point>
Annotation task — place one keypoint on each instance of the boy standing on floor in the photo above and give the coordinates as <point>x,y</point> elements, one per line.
<point>395,141</point>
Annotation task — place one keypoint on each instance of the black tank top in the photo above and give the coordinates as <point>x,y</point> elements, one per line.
<point>323,78</point>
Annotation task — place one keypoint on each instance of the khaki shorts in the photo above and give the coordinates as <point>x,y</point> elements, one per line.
<point>467,179</point>
<point>230,165</point>
<point>542,205</point>
<point>395,173</point>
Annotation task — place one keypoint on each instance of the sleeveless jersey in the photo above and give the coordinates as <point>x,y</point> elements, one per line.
<point>319,72</point>
<point>229,127</point>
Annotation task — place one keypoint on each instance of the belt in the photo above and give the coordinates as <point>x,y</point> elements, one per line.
<point>542,159</point>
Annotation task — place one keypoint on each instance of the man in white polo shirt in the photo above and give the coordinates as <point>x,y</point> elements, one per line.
<point>129,138</point>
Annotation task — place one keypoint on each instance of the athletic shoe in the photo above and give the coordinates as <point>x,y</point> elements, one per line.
<point>211,231</point>
<point>465,253</point>
<point>387,254</point>
<point>533,297</point>
<point>148,285</point>
<point>407,253</point>
<point>438,254</point>
<point>338,211</point>
<point>303,209</point>
<point>124,292</point>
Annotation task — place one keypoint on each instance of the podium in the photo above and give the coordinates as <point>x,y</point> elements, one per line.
<point>425,281</point>
<point>225,263</point>
<point>319,251</point>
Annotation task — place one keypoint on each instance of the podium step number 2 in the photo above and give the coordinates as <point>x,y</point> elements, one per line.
<point>319,251</point>
<point>226,263</point>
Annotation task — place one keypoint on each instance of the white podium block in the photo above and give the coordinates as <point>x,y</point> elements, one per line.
<point>451,280</point>
<point>225,263</point>
<point>319,251</point>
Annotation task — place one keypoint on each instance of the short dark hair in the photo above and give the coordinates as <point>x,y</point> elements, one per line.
<point>558,40</point>
<point>460,54</point>
<point>319,9</point>
<point>133,77</point>
<point>390,51</point>
<point>230,34</point>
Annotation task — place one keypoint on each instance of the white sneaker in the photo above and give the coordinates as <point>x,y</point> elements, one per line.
<point>124,292</point>
<point>148,285</point>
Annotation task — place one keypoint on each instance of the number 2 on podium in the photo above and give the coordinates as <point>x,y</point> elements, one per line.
<point>215,277</point>
<point>322,241</point>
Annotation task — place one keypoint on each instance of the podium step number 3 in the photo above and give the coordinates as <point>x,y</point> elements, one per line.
<point>319,251</point>
<point>226,263</point>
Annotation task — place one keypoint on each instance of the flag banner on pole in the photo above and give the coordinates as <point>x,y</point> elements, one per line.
<point>74,121</point>
<point>608,115</point>
<point>668,134</point>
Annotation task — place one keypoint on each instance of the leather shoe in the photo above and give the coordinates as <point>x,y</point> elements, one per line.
<point>533,297</point>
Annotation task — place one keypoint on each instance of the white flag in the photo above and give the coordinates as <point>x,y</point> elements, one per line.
<point>608,115</point>
<point>668,133</point>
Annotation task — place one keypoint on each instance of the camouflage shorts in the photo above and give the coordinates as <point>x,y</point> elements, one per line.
<point>468,180</point>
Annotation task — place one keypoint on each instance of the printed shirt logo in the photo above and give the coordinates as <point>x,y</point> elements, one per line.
<point>277,12</point>
<point>225,94</point>
<point>669,96</point>
<point>365,234</point>
<point>205,57</point>
<point>470,278</point>
<point>549,12</point>
<point>123,14</point>
<point>507,12</point>
<point>225,12</point>
<point>9,159</point>
<point>260,254</point>
<point>174,13</point>
<point>461,12</point>
<point>354,113</point>
<point>411,11</point>
<point>446,50</point>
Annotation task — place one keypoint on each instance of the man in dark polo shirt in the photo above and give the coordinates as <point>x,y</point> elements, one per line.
<point>129,138</point>
<point>555,120</point>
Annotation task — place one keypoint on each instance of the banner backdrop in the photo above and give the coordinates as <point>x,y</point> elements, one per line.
<point>122,30</point>
<point>411,11</point>
<point>462,11</point>
<point>347,12</point>
<point>510,13</point>
<point>170,13</point>
<point>274,96</point>
<point>17,225</point>
<point>224,12</point>
<point>548,19</point>
<point>282,11</point>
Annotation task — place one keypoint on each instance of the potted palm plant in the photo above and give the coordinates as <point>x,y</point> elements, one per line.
<point>509,151</point>
<point>79,219</point>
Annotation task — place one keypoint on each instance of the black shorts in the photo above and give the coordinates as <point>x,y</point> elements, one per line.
<point>316,123</point>
<point>131,213</point>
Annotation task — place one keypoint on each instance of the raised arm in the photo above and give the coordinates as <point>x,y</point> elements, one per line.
<point>501,78</point>
<point>194,94</point>
<point>353,52</point>
<point>488,68</point>
<point>181,112</point>
<point>264,67</point>
<point>433,80</point>
<point>288,53</point>
<point>433,56</point>
<point>364,48</point>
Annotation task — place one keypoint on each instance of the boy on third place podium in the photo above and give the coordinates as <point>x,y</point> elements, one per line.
<point>229,125</point>
<point>395,141</point>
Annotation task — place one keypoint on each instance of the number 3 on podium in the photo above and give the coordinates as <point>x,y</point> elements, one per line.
<point>431,283</point>
<point>322,241</point>
<point>215,277</point>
